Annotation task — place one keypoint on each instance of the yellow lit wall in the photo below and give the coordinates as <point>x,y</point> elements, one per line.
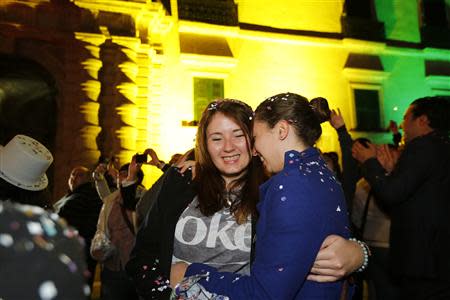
<point>264,64</point>
<point>176,106</point>
<point>292,14</point>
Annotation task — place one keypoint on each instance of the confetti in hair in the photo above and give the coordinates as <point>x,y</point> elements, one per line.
<point>213,105</point>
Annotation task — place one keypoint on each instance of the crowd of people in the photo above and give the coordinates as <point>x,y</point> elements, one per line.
<point>253,211</point>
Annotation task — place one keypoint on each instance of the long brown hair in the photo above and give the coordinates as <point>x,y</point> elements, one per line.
<point>210,184</point>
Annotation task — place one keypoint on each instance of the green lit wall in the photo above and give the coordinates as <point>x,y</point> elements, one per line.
<point>401,19</point>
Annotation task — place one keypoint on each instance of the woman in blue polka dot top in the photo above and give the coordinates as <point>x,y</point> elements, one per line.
<point>301,204</point>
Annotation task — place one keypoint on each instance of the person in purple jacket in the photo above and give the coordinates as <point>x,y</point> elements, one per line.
<point>300,205</point>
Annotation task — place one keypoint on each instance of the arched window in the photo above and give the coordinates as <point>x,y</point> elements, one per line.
<point>27,103</point>
<point>27,100</point>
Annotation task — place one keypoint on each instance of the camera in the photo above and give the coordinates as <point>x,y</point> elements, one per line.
<point>141,158</point>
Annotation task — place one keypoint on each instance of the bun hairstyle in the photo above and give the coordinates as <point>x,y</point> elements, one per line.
<point>321,108</point>
<point>303,115</point>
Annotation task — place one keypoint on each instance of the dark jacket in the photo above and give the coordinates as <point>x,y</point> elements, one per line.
<point>350,169</point>
<point>151,257</point>
<point>147,200</point>
<point>81,210</point>
<point>417,194</point>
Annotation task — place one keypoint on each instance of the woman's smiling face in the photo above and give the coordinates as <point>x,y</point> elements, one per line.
<point>228,147</point>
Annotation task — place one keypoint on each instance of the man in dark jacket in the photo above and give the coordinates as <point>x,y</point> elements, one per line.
<point>81,207</point>
<point>417,195</point>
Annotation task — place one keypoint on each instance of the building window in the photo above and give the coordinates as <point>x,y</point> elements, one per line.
<point>223,12</point>
<point>435,13</point>
<point>437,74</point>
<point>367,109</point>
<point>359,21</point>
<point>366,76</point>
<point>209,73</point>
<point>206,90</point>
<point>435,23</point>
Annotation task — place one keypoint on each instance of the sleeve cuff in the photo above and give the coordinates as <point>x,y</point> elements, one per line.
<point>196,268</point>
<point>342,129</point>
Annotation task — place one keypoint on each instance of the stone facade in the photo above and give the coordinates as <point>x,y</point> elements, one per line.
<point>100,56</point>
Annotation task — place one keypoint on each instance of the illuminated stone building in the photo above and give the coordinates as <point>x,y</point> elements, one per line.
<point>91,77</point>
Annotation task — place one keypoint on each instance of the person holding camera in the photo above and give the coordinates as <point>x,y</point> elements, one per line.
<point>155,161</point>
<point>105,176</point>
<point>117,222</point>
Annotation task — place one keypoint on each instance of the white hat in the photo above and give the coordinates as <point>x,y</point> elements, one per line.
<point>23,162</point>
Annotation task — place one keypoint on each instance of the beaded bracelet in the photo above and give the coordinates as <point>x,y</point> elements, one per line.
<point>366,252</point>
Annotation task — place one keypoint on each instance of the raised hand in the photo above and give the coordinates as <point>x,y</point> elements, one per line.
<point>361,153</point>
<point>393,127</point>
<point>187,165</point>
<point>133,169</point>
<point>336,119</point>
<point>387,157</point>
<point>154,160</point>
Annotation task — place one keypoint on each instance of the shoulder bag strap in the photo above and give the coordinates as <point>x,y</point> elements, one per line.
<point>366,210</point>
<point>127,220</point>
